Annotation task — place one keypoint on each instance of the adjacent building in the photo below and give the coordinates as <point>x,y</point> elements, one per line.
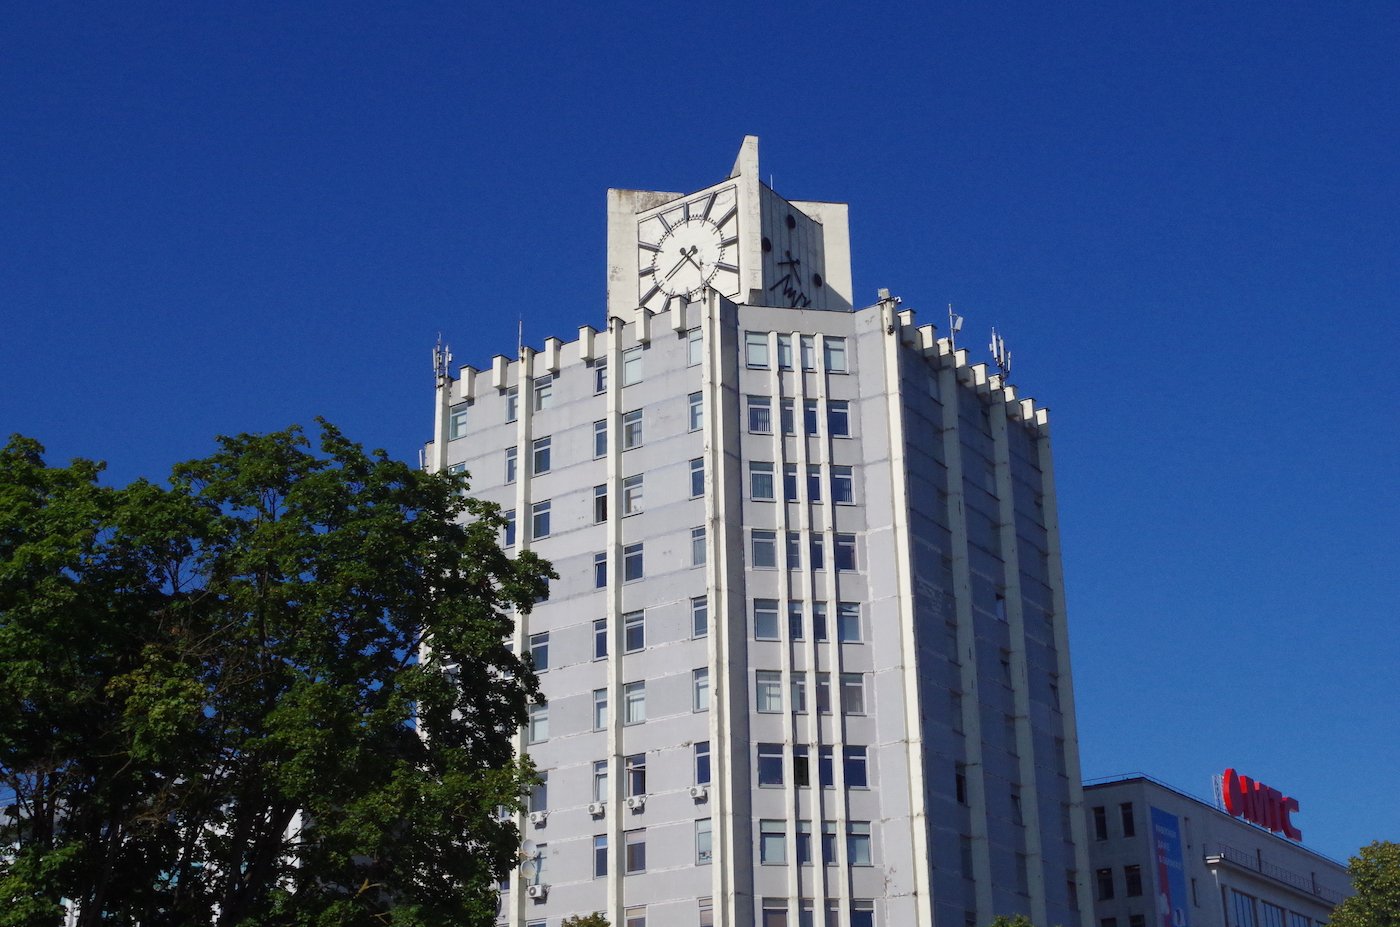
<point>806,659</point>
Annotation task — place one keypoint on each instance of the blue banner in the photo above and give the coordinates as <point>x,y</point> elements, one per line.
<point>1172,903</point>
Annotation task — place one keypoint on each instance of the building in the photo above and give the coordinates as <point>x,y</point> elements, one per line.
<point>1165,859</point>
<point>806,658</point>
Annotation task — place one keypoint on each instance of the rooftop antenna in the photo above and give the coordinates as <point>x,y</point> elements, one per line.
<point>1000,354</point>
<point>442,360</point>
<point>520,337</point>
<point>954,326</point>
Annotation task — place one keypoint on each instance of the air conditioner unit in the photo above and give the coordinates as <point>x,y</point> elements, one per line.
<point>597,808</point>
<point>537,818</point>
<point>537,891</point>
<point>699,792</point>
<point>637,802</point>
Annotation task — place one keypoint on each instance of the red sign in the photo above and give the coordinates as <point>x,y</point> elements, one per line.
<point>1259,804</point>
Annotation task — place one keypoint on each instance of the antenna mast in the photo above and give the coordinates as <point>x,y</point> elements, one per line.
<point>954,326</point>
<point>1000,354</point>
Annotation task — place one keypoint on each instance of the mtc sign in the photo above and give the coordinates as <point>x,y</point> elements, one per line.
<point>1259,804</point>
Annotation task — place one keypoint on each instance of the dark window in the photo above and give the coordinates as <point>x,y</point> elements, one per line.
<point>1126,810</point>
<point>1100,823</point>
<point>770,764</point>
<point>1104,877</point>
<point>1132,878</point>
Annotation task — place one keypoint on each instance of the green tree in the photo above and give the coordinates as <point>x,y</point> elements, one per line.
<point>1010,920</point>
<point>596,919</point>
<point>1375,875</point>
<point>274,692</point>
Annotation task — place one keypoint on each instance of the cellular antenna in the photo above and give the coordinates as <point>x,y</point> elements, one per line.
<point>1000,354</point>
<point>954,326</point>
<point>442,360</point>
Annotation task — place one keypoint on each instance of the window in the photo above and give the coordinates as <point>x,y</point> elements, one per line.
<point>853,693</point>
<point>1108,922</point>
<point>756,350</point>
<point>600,570</point>
<point>1243,906</point>
<point>702,762</point>
<point>700,689</point>
<point>702,842</point>
<point>631,429</point>
<point>790,483</point>
<point>795,629</point>
<point>600,855</point>
<point>693,347</point>
<point>829,843</point>
<point>770,764</point>
<point>600,503</point>
<point>634,632</point>
<point>600,638</point>
<point>786,414</point>
<point>761,480</point>
<point>862,913</point>
<point>803,848</point>
<point>539,520</point>
<point>765,549</point>
<point>635,859</point>
<point>809,352</point>
<point>1125,812</point>
<point>635,916</point>
<point>823,693</point>
<point>695,415</point>
<point>858,843</point>
<point>772,842</point>
<point>1100,822</point>
<point>765,619</point>
<point>775,912</point>
<point>544,392</point>
<point>600,780</point>
<point>960,783</point>
<point>600,438</point>
<point>1140,920</point>
<point>632,563</point>
<point>539,651</point>
<point>634,702</point>
<point>809,417</point>
<point>856,768</point>
<point>845,551</point>
<point>760,415</point>
<point>794,550</point>
<point>539,794</point>
<point>801,767</point>
<point>635,774</point>
<point>457,422</point>
<point>600,709</point>
<point>699,616</point>
<point>1270,915</point>
<point>511,456</point>
<point>1012,744</point>
<point>631,494</point>
<point>768,690</point>
<point>819,621</point>
<point>838,418</point>
<point>538,731</point>
<point>632,366</point>
<point>784,352</point>
<point>1132,880</point>
<point>835,351</point>
<point>799,702</point>
<point>697,477</point>
<point>848,622</point>
<point>600,376</point>
<point>697,546</point>
<point>457,468</point>
<point>1104,878</point>
<point>509,515</point>
<point>814,483</point>
<point>843,487</point>
<point>540,460</point>
<point>512,403</point>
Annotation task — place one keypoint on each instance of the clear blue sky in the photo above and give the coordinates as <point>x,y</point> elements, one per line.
<point>1185,218</point>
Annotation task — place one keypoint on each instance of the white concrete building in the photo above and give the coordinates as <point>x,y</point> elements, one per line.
<point>1162,858</point>
<point>806,658</point>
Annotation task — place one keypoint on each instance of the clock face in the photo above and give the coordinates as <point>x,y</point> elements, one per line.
<point>687,246</point>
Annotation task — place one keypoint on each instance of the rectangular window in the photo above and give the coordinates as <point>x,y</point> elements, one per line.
<point>512,403</point>
<point>600,376</point>
<point>848,622</point>
<point>539,794</point>
<point>795,622</point>
<point>790,482</point>
<point>1125,813</point>
<point>600,780</point>
<point>829,843</point>
<point>801,768</point>
<point>700,689</point>
<point>457,468</point>
<point>632,563</point>
<point>835,351</point>
<point>636,860</point>
<point>694,347</point>
<point>702,842</point>
<point>538,731</point>
<point>809,417</point>
<point>539,651</point>
<point>862,913</point>
<point>814,483</point>
<point>1104,878</point>
<point>600,438</point>
<point>1100,814</point>
<point>823,693</point>
<point>760,415</point>
<point>786,414</point>
<point>768,690</point>
<point>600,638</point>
<point>838,418</point>
<point>695,414</point>
<point>600,709</point>
<point>634,632</point>
<point>799,702</point>
<point>856,768</point>
<point>825,776</point>
<point>511,456</point>
<point>960,783</point>
<point>702,762</point>
<point>765,619</point>
<point>794,550</point>
<point>761,480</point>
<point>770,764</point>
<point>853,693</point>
<point>803,849</point>
<point>845,551</point>
<point>772,842</point>
<point>457,422</point>
<point>843,486</point>
<point>764,546</point>
<point>697,477</point>
<point>756,350</point>
<point>697,546</point>
<point>784,352</point>
<point>600,570</point>
<point>509,540</point>
<point>699,616</point>
<point>539,520</point>
<point>600,503</point>
<point>818,550</point>
<point>635,774</point>
<point>540,450</point>
<point>544,392</point>
<point>635,916</point>
<point>634,702</point>
<point>819,621</point>
<point>600,856</point>
<point>631,494</point>
<point>809,352</point>
<point>775,913</point>
<point>631,429</point>
<point>858,843</point>
<point>632,366</point>
<point>1132,881</point>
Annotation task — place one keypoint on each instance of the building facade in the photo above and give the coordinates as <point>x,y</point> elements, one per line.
<point>806,659</point>
<point>1162,858</point>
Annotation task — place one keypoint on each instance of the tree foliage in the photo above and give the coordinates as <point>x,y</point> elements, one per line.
<point>1375,876</point>
<point>596,919</point>
<point>212,703</point>
<point>1010,920</point>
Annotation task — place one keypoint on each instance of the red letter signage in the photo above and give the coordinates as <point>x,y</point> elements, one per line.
<point>1259,804</point>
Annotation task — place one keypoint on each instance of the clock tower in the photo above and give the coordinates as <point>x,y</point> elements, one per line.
<point>737,237</point>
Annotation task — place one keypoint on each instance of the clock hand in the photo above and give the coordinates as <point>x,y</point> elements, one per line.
<point>691,257</point>
<point>679,264</point>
